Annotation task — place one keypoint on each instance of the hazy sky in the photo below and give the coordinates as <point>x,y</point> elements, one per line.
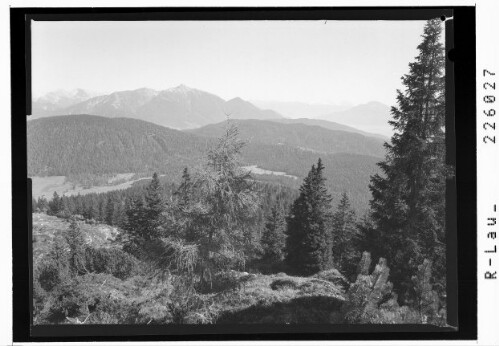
<point>308,61</point>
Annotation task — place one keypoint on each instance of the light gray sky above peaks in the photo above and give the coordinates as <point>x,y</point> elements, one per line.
<point>307,61</point>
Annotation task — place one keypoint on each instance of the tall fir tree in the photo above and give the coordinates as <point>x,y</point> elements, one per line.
<point>55,204</point>
<point>184,191</point>
<point>135,221</point>
<point>102,210</point>
<point>274,238</point>
<point>308,242</point>
<point>344,232</point>
<point>179,212</point>
<point>119,214</point>
<point>109,211</point>
<point>408,199</point>
<point>153,208</point>
<point>91,211</point>
<point>42,204</point>
<point>215,228</point>
<point>76,242</point>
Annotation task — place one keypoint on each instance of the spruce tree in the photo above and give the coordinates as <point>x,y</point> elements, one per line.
<point>184,191</point>
<point>344,231</point>
<point>109,211</point>
<point>91,212</point>
<point>308,243</point>
<point>273,237</point>
<point>102,210</point>
<point>135,220</point>
<point>119,214</point>
<point>54,267</point>
<point>76,241</point>
<point>179,212</point>
<point>213,228</point>
<point>42,204</point>
<point>153,208</point>
<point>408,199</point>
<point>55,204</point>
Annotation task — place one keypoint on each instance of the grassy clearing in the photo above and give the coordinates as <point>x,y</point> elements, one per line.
<point>282,299</point>
<point>46,186</point>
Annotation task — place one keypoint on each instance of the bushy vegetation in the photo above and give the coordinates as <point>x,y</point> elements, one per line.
<point>371,298</point>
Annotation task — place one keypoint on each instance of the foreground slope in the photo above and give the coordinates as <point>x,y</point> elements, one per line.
<point>140,298</point>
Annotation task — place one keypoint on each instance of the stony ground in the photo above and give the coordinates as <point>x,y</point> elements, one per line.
<point>46,228</point>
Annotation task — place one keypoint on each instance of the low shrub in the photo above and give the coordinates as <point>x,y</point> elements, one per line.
<point>334,276</point>
<point>67,300</point>
<point>49,275</point>
<point>371,298</point>
<point>53,268</point>
<point>101,298</point>
<point>288,282</point>
<point>319,287</point>
<point>112,261</point>
<point>222,281</point>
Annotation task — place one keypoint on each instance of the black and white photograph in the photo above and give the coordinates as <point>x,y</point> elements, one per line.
<point>242,172</point>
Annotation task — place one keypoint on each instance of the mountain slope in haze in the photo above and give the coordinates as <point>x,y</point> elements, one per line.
<point>238,108</point>
<point>305,137</point>
<point>300,109</point>
<point>79,144</point>
<point>179,108</point>
<point>330,125</point>
<point>370,117</point>
<point>54,101</point>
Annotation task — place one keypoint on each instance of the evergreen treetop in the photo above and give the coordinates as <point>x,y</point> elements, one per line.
<point>308,235</point>
<point>408,198</point>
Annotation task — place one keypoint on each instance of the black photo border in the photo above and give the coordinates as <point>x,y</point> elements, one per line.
<point>461,190</point>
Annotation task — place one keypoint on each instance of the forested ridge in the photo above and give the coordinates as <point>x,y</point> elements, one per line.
<point>84,144</point>
<point>92,144</point>
<point>215,245</point>
<point>307,137</point>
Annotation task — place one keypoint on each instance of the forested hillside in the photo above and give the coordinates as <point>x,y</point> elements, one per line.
<point>330,125</point>
<point>85,144</point>
<point>92,144</point>
<point>307,137</point>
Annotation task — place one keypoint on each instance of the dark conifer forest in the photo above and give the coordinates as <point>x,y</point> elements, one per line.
<point>353,233</point>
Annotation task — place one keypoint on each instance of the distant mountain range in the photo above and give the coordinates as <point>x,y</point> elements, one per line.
<point>86,144</point>
<point>179,108</point>
<point>54,101</point>
<point>370,117</point>
<point>182,108</point>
